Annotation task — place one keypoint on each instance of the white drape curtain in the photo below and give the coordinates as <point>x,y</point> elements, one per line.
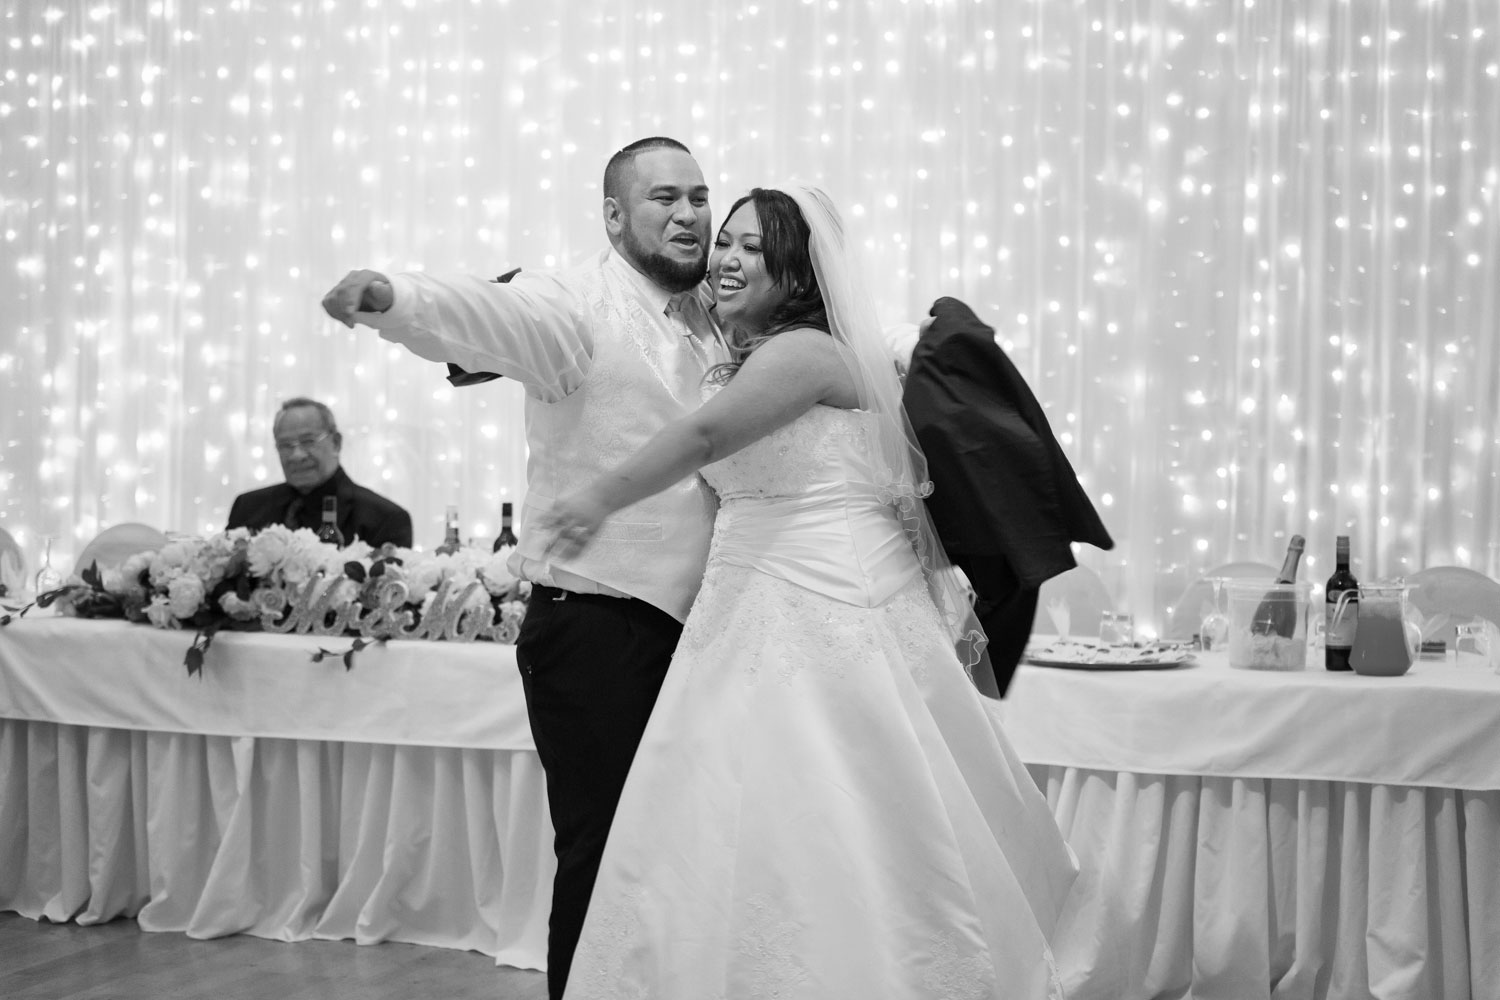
<point>1245,253</point>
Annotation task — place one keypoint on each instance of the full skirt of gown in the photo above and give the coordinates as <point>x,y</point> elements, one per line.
<point>821,808</point>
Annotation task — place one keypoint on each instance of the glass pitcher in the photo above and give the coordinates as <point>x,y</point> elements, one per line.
<point>1386,641</point>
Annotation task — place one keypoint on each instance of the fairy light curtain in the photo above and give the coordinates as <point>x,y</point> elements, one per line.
<point>1244,250</point>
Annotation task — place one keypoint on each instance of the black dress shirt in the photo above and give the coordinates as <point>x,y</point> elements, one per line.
<point>362,513</point>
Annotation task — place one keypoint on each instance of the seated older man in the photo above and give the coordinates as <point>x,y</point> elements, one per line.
<point>308,443</point>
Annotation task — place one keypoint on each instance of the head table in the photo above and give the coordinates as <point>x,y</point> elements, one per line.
<point>271,795</point>
<point>1249,834</point>
<point>1241,834</point>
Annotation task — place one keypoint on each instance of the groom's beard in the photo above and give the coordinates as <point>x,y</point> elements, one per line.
<point>673,275</point>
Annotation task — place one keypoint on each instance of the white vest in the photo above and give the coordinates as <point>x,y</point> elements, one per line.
<point>641,378</point>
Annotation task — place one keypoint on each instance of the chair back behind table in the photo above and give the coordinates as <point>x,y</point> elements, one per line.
<point>1463,594</point>
<point>12,564</point>
<point>1197,600</point>
<point>112,546</point>
<point>1086,596</point>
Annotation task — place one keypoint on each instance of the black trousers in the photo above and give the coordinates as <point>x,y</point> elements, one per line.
<point>1005,607</point>
<point>591,668</point>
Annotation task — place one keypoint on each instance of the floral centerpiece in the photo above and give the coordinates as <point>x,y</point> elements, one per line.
<point>282,580</point>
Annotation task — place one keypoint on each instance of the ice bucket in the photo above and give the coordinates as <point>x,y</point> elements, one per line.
<point>1268,625</point>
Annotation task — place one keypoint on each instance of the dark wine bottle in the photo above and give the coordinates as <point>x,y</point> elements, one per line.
<point>1338,638</point>
<point>1277,613</point>
<point>451,542</point>
<point>328,530</point>
<point>507,537</point>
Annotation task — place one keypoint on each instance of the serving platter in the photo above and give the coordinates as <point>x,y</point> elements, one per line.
<point>1086,654</point>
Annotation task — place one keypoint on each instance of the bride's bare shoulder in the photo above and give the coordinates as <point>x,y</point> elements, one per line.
<point>810,353</point>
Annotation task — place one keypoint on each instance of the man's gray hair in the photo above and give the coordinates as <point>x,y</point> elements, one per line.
<point>329,424</point>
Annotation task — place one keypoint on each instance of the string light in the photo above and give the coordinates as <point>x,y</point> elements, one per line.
<point>1240,251</point>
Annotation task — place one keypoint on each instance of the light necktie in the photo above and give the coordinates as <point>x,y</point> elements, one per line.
<point>682,311</point>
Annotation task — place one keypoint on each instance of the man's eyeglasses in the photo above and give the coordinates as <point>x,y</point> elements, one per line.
<point>305,443</point>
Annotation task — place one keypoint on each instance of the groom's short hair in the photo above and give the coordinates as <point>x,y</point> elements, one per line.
<point>620,163</point>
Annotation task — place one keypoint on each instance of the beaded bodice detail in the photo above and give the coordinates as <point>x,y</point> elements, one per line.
<point>824,446</point>
<point>799,505</point>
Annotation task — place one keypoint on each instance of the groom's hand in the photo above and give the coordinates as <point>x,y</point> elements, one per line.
<point>360,291</point>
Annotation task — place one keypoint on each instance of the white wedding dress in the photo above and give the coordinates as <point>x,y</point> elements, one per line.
<point>821,807</point>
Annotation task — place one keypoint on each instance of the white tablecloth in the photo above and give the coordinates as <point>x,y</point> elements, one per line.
<point>401,800</point>
<point>1242,835</point>
<point>118,675</point>
<point>1253,835</point>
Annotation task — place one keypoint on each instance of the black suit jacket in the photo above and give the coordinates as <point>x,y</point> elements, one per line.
<point>363,513</point>
<point>1001,483</point>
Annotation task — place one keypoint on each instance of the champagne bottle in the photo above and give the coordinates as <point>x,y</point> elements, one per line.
<point>507,537</point>
<point>328,531</point>
<point>1277,613</point>
<point>451,541</point>
<point>1339,638</point>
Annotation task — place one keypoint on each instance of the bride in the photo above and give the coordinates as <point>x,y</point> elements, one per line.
<point>821,806</point>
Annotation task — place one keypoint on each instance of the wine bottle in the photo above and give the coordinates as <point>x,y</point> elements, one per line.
<point>1338,638</point>
<point>1277,613</point>
<point>451,541</point>
<point>507,537</point>
<point>328,531</point>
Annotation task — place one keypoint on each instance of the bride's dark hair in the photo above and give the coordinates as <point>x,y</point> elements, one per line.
<point>784,239</point>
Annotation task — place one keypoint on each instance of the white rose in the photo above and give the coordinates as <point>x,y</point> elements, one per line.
<point>159,612</point>
<point>267,550</point>
<point>185,595</point>
<point>358,551</point>
<point>304,557</point>
<point>240,611</point>
<point>425,575</point>
<point>130,573</point>
<point>469,560</point>
<point>478,598</point>
<point>210,566</point>
<point>171,562</point>
<point>272,600</point>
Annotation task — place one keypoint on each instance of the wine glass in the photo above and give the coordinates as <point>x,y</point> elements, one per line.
<point>1213,631</point>
<point>47,578</point>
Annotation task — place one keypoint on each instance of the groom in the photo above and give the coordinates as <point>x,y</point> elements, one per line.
<point>609,352</point>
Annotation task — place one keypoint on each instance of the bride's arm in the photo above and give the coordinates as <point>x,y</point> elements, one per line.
<point>782,380</point>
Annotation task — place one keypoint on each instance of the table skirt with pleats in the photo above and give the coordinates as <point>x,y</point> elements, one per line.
<point>286,839</point>
<point>1215,888</point>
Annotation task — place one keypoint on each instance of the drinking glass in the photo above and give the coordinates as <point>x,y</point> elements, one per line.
<point>1473,637</point>
<point>1116,628</point>
<point>1213,632</point>
<point>47,578</point>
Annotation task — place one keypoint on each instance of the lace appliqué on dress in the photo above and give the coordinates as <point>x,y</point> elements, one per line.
<point>956,976</point>
<point>615,935</point>
<point>770,948</point>
<point>785,461</point>
<point>952,975</point>
<point>812,632</point>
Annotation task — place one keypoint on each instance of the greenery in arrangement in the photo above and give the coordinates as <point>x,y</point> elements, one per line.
<point>281,580</point>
